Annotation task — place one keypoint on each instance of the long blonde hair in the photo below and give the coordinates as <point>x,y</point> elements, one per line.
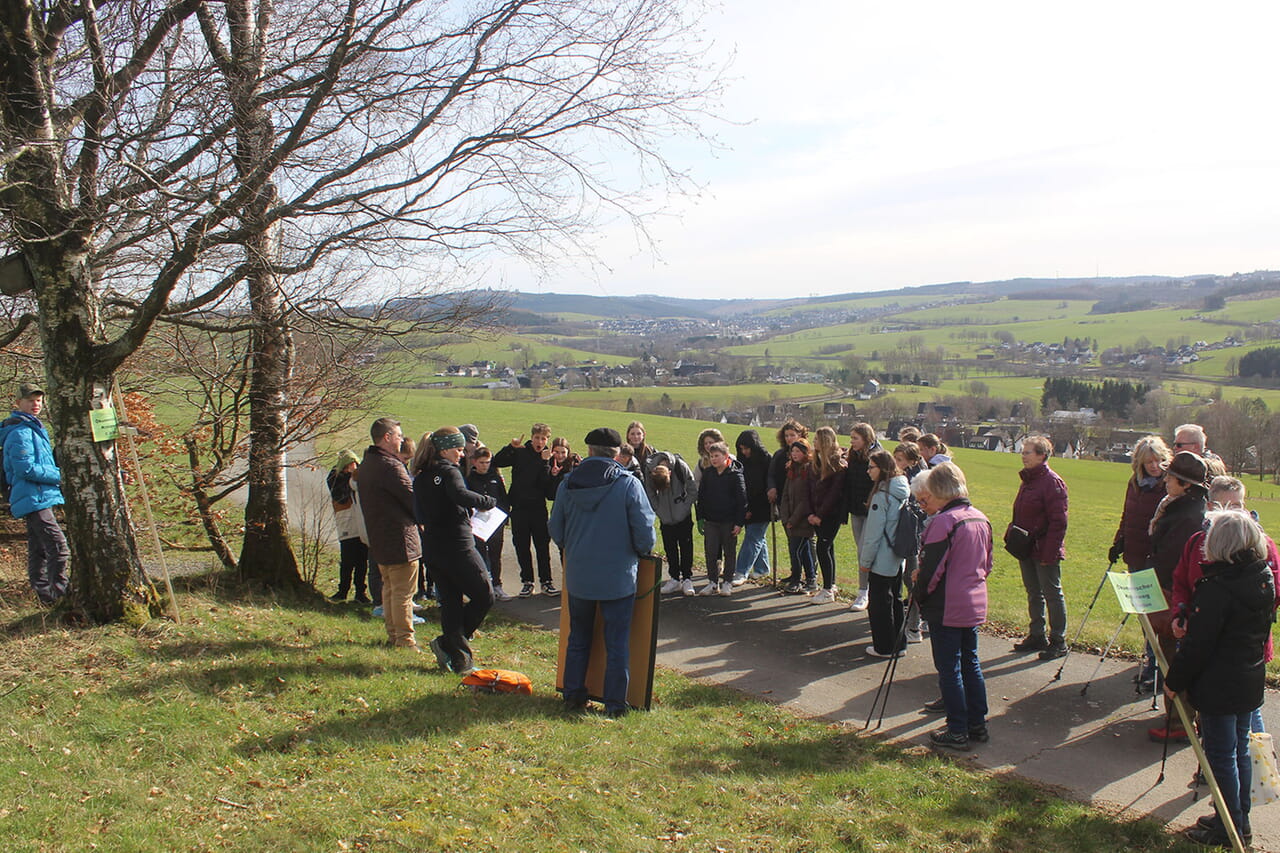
<point>826,452</point>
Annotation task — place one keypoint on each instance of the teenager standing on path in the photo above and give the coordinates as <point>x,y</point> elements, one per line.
<point>753,554</point>
<point>826,500</point>
<point>877,556</point>
<point>530,473</point>
<point>857,486</point>
<point>722,509</point>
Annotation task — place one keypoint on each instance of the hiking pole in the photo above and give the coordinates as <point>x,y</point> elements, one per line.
<point>1105,652</point>
<point>773,531</point>
<point>886,680</point>
<point>1164,752</point>
<point>1085,620</point>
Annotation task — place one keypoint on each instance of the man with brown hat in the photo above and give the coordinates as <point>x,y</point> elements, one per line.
<point>34,483</point>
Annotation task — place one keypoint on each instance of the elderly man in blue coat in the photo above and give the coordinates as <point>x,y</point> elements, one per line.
<point>35,488</point>
<point>603,521</point>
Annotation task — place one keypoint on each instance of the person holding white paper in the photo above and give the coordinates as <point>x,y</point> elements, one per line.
<point>443,504</point>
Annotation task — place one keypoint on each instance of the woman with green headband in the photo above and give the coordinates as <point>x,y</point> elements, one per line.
<point>443,505</point>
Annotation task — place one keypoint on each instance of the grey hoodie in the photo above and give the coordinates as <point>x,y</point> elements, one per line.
<point>674,504</point>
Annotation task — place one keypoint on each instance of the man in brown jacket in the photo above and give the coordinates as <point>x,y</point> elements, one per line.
<point>386,500</point>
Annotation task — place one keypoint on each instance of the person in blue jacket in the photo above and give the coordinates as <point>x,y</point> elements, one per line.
<point>602,519</point>
<point>34,489</point>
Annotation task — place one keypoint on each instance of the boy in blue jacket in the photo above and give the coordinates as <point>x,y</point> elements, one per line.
<point>34,489</point>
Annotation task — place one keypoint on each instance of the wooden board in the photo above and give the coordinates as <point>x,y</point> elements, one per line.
<point>644,638</point>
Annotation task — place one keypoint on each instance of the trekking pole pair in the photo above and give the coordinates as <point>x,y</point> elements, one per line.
<point>891,669</point>
<point>1085,621</point>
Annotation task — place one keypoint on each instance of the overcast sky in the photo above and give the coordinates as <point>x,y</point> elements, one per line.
<point>895,144</point>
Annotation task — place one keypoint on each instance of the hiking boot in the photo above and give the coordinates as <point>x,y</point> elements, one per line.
<point>672,585</point>
<point>1031,644</point>
<point>1053,653</point>
<point>859,603</point>
<point>979,734</point>
<point>526,590</point>
<point>686,586</point>
<point>936,706</point>
<point>549,588</point>
<point>944,738</point>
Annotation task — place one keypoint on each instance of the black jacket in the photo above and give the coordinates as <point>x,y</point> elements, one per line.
<point>722,498</point>
<point>443,503</point>
<point>778,470</point>
<point>530,475</point>
<point>1182,517</point>
<point>1220,661</point>
<point>755,473</point>
<point>490,484</point>
<point>857,483</point>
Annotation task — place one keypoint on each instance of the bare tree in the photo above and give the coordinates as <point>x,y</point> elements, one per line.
<point>154,175</point>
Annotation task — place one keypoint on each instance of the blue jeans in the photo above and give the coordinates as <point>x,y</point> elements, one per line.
<point>955,656</point>
<point>753,555</point>
<point>617,648</point>
<point>1226,745</point>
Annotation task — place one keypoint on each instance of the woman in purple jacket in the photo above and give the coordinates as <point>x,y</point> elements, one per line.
<point>951,586</point>
<point>1141,497</point>
<point>1041,509</point>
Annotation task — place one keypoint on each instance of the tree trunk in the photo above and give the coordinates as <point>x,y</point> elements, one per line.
<point>204,506</point>
<point>107,578</point>
<point>267,556</point>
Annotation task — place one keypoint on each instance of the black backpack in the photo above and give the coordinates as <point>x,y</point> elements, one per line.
<point>906,541</point>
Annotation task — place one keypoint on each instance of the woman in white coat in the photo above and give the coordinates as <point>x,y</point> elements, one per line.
<point>876,556</point>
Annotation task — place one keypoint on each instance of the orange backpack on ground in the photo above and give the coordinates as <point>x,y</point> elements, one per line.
<point>499,681</point>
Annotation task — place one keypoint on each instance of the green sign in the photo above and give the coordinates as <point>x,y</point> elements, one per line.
<point>1138,592</point>
<point>105,425</point>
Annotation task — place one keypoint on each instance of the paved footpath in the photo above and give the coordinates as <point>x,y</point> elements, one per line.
<point>808,657</point>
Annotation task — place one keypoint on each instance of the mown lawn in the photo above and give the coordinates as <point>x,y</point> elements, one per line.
<point>262,725</point>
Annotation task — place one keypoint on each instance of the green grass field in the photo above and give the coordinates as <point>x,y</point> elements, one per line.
<point>1096,488</point>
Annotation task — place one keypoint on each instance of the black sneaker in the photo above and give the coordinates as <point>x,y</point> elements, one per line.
<point>793,589</point>
<point>549,588</point>
<point>979,734</point>
<point>338,596</point>
<point>1053,653</point>
<point>442,657</point>
<point>361,598</point>
<point>936,706</point>
<point>526,590</point>
<point>1031,644</point>
<point>944,738</point>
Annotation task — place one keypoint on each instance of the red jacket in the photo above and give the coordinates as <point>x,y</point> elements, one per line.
<point>1189,570</point>
<point>1041,509</point>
